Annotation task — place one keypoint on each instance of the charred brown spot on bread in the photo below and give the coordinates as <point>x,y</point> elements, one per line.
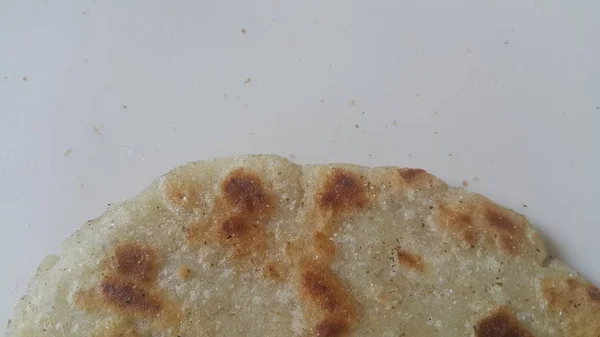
<point>484,222</point>
<point>594,293</point>
<point>128,286</point>
<point>410,175</point>
<point>342,191</point>
<point>243,235</point>
<point>247,193</point>
<point>326,300</point>
<point>319,286</point>
<point>415,177</point>
<point>235,227</point>
<point>410,260</point>
<point>128,297</point>
<point>508,227</point>
<point>182,192</point>
<point>322,288</point>
<point>499,220</point>
<point>459,221</point>
<point>501,323</point>
<point>136,262</point>
<point>184,271</point>
<point>332,328</point>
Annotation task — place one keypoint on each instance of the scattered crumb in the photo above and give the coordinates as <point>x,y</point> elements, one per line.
<point>436,113</point>
<point>251,133</point>
<point>85,13</point>
<point>243,31</point>
<point>524,205</point>
<point>394,122</point>
<point>184,271</point>
<point>465,183</point>
<point>124,106</point>
<point>248,80</point>
<point>363,112</point>
<point>68,152</point>
<point>450,155</point>
<point>370,155</point>
<point>476,178</point>
<point>352,102</point>
<point>435,132</point>
<point>98,129</point>
<point>506,42</point>
<point>468,50</point>
<point>25,78</point>
<point>356,125</point>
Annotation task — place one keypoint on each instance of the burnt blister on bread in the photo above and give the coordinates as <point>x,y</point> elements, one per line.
<point>501,323</point>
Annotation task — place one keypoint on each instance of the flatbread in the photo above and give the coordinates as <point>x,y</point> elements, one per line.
<point>258,246</point>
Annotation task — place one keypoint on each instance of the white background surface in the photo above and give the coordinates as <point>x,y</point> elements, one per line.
<point>504,94</point>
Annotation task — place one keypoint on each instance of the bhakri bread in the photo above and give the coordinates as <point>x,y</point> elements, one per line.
<point>259,246</point>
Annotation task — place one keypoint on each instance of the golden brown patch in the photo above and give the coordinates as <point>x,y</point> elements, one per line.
<point>332,328</point>
<point>324,247</point>
<point>509,228</point>
<point>501,221</point>
<point>410,260</point>
<point>136,262</point>
<point>128,287</point>
<point>234,228</point>
<point>342,191</point>
<point>194,233</point>
<point>323,289</point>
<point>246,191</point>
<point>182,192</point>
<point>472,222</point>
<point>242,235</point>
<point>129,298</point>
<point>411,176</point>
<point>326,300</point>
<point>184,271</point>
<point>501,323</point>
<point>594,293</point>
<point>459,221</point>
<point>572,303</point>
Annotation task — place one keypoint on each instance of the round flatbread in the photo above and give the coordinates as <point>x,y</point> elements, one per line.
<point>258,246</point>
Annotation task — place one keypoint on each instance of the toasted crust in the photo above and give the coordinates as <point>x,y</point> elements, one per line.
<point>258,246</point>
